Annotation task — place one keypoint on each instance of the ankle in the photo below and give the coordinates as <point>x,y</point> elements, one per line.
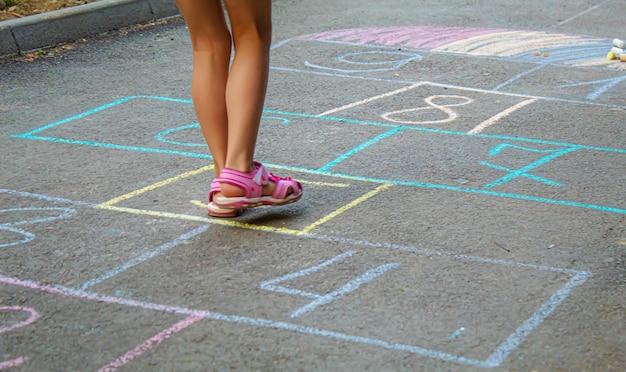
<point>241,166</point>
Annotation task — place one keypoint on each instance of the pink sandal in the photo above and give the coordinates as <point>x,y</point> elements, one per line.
<point>286,190</point>
<point>214,210</point>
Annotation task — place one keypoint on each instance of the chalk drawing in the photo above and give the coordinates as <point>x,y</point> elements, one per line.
<point>150,343</point>
<point>195,127</point>
<point>25,235</point>
<point>161,136</point>
<point>370,66</point>
<point>270,285</point>
<point>509,45</point>
<point>144,257</point>
<point>605,85</point>
<point>501,115</point>
<point>45,197</point>
<point>451,114</point>
<point>517,77</point>
<point>371,99</point>
<point>36,134</point>
<point>573,50</point>
<point>456,334</point>
<point>283,120</point>
<point>499,354</point>
<point>417,37</point>
<point>477,42</point>
<point>495,359</point>
<point>320,300</point>
<point>32,317</point>
<point>581,13</point>
<point>523,172</point>
<point>345,208</point>
<point>13,363</point>
<point>349,287</point>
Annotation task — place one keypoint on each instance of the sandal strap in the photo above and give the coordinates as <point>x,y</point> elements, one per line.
<point>250,182</point>
<point>215,188</point>
<point>285,186</point>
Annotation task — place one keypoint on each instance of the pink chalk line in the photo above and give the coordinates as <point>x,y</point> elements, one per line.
<point>12,363</point>
<point>428,37</point>
<point>33,316</point>
<point>95,297</point>
<point>148,344</point>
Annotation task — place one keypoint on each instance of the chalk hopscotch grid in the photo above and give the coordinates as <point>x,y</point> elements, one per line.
<point>501,352</point>
<point>325,170</point>
<point>496,358</point>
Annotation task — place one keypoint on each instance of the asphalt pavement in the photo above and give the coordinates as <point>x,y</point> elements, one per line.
<point>463,163</point>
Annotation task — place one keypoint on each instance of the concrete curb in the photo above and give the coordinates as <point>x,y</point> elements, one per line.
<point>65,25</point>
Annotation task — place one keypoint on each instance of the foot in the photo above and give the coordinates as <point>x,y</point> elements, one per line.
<point>216,211</point>
<point>252,189</point>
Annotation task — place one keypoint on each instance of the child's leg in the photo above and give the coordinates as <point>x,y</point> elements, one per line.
<point>251,26</point>
<point>211,43</point>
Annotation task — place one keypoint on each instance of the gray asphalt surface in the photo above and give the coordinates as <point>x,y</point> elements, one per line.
<point>464,203</point>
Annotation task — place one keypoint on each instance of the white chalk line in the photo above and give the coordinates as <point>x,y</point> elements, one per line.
<point>452,115</point>
<point>494,119</point>
<point>144,257</point>
<point>580,14</point>
<point>320,300</point>
<point>28,236</point>
<point>610,83</point>
<point>494,360</point>
<point>270,285</point>
<point>45,197</point>
<point>371,99</point>
<point>462,88</point>
<point>356,77</point>
<point>518,76</point>
<point>538,67</point>
<point>547,308</point>
<point>351,286</point>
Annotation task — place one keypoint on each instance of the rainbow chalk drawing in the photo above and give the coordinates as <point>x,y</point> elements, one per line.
<point>574,50</point>
<point>508,45</point>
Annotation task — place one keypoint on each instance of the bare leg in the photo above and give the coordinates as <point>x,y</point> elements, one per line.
<point>229,102</point>
<point>211,42</point>
<point>251,25</point>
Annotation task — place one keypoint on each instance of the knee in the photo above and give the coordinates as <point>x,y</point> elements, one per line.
<point>210,42</point>
<point>258,34</point>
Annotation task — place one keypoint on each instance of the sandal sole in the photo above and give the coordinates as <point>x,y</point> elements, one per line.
<point>246,203</point>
